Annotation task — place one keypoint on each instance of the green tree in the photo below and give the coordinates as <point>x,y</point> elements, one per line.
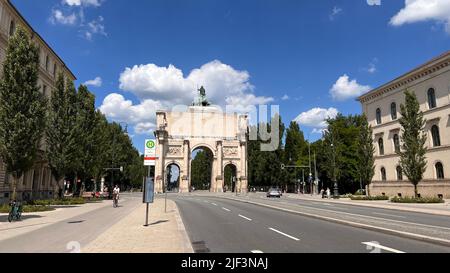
<point>366,150</point>
<point>22,106</point>
<point>412,155</point>
<point>201,169</point>
<point>295,151</point>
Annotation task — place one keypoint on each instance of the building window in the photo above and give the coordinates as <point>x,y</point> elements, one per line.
<point>12,28</point>
<point>439,171</point>
<point>436,136</point>
<point>378,116</point>
<point>54,69</point>
<point>383,174</point>
<point>397,143</point>
<point>394,111</point>
<point>431,98</point>
<point>47,60</point>
<point>381,146</point>
<point>399,173</point>
<point>44,90</point>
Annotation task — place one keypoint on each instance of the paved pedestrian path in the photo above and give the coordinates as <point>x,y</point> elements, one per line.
<point>165,233</point>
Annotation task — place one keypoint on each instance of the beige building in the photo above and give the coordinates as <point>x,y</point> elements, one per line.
<point>38,182</point>
<point>179,133</point>
<point>431,83</point>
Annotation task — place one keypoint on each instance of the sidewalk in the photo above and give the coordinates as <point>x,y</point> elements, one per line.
<point>165,233</point>
<point>437,209</point>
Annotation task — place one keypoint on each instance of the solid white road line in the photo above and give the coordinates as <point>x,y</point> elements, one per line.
<point>257,251</point>
<point>378,246</point>
<point>226,209</point>
<point>385,214</point>
<point>246,218</point>
<point>284,234</point>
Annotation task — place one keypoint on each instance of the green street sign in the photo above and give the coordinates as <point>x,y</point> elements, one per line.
<point>150,144</point>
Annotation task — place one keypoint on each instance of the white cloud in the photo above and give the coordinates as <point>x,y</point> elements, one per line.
<point>285,97</point>
<point>159,87</point>
<point>59,17</point>
<point>145,128</point>
<point>344,89</point>
<point>97,82</point>
<point>423,10</point>
<point>78,3</point>
<point>95,27</point>
<point>316,117</point>
<point>334,13</point>
<point>116,107</point>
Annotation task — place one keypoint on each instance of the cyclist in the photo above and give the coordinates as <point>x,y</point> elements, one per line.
<point>116,193</point>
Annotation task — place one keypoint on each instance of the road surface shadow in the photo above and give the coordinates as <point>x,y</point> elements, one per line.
<point>158,222</point>
<point>4,218</point>
<point>200,247</point>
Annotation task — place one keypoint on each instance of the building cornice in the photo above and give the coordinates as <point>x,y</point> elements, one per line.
<point>422,71</point>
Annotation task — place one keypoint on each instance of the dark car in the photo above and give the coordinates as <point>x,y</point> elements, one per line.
<point>274,192</point>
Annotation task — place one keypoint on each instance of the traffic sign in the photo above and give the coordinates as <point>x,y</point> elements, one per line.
<point>150,152</point>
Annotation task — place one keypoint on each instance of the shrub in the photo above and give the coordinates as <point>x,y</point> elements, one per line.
<point>26,208</point>
<point>59,202</point>
<point>348,195</point>
<point>369,198</point>
<point>422,200</point>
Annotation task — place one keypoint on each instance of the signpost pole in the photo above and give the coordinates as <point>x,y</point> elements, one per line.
<point>149,160</point>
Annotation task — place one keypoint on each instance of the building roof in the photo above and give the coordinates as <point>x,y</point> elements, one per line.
<point>40,37</point>
<point>417,70</point>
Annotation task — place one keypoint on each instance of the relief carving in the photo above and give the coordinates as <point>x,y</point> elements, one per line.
<point>175,151</point>
<point>230,151</point>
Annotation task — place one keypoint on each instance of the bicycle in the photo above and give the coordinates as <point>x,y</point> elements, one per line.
<point>115,201</point>
<point>15,212</point>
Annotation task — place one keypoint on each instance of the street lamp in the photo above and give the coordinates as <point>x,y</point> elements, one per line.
<point>334,179</point>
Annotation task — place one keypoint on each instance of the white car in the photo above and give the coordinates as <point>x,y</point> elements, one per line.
<point>273,192</point>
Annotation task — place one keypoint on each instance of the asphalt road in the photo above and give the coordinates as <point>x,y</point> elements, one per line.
<point>68,235</point>
<point>225,226</point>
<point>391,214</point>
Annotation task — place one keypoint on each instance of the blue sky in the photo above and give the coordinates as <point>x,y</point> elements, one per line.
<point>310,57</point>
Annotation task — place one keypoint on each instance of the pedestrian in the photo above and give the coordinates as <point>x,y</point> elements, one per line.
<point>328,193</point>
<point>322,193</point>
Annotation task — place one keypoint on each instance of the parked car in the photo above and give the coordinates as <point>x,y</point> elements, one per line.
<point>273,192</point>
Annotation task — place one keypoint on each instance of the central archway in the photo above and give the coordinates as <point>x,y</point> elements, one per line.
<point>201,168</point>
<point>230,178</point>
<point>173,177</point>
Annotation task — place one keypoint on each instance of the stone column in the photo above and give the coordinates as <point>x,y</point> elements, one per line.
<point>243,185</point>
<point>219,167</point>
<point>185,185</point>
<point>159,168</point>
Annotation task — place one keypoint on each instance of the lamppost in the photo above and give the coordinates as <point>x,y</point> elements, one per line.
<point>334,179</point>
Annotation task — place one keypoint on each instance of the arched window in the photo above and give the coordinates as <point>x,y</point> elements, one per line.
<point>378,116</point>
<point>399,173</point>
<point>383,174</point>
<point>12,28</point>
<point>431,98</point>
<point>440,171</point>
<point>397,143</point>
<point>381,146</point>
<point>436,136</point>
<point>394,111</point>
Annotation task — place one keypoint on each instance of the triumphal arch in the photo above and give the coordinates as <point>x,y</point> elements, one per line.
<point>181,131</point>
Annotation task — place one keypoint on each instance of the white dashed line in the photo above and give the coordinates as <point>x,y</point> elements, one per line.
<point>246,218</point>
<point>257,251</point>
<point>226,209</point>
<point>378,246</point>
<point>284,234</point>
<point>214,204</point>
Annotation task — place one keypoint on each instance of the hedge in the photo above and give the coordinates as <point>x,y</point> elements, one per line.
<point>369,198</point>
<point>422,200</point>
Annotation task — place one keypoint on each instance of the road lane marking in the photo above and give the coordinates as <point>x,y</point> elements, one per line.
<point>257,251</point>
<point>226,209</point>
<point>246,218</point>
<point>372,217</point>
<point>284,234</point>
<point>378,246</point>
<point>385,214</point>
<point>214,204</point>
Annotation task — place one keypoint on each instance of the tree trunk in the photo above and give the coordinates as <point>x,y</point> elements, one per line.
<point>416,192</point>
<point>14,185</point>
<point>368,190</point>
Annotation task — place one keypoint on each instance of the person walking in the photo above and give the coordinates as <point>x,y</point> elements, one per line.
<point>328,193</point>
